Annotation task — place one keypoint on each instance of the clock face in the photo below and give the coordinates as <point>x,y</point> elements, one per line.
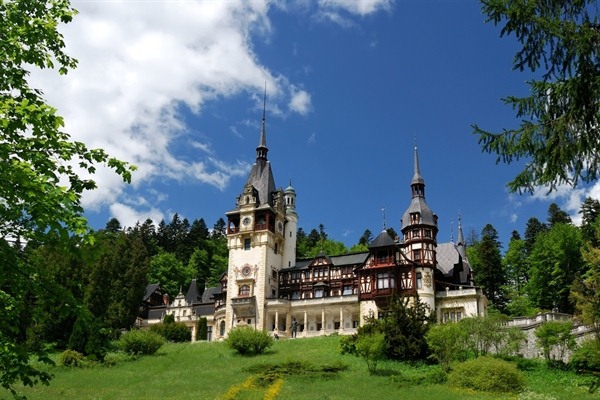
<point>246,271</point>
<point>246,221</point>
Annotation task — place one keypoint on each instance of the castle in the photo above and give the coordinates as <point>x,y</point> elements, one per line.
<point>268,288</point>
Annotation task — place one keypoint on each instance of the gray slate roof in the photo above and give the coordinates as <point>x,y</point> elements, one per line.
<point>448,258</point>
<point>382,240</point>
<point>345,259</point>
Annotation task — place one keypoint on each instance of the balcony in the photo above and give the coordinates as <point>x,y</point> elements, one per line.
<point>244,306</point>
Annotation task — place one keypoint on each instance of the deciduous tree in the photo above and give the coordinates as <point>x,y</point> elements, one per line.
<point>41,185</point>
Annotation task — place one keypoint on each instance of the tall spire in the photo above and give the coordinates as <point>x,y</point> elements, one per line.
<point>417,183</point>
<point>262,150</point>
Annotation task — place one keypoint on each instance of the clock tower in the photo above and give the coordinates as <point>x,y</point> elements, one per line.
<point>261,238</point>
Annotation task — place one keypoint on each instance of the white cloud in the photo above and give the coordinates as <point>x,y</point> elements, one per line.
<point>300,101</point>
<point>142,63</point>
<point>128,216</point>
<point>358,7</point>
<point>139,63</point>
<point>312,139</point>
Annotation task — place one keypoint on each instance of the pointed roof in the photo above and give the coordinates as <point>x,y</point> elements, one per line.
<point>382,240</point>
<point>461,245</point>
<point>193,295</point>
<point>262,150</point>
<point>417,178</point>
<point>418,205</point>
<point>261,176</point>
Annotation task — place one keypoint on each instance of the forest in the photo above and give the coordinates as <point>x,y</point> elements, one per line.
<point>553,266</point>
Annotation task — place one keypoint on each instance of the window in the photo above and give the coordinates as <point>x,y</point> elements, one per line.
<point>244,291</point>
<point>296,295</point>
<point>419,280</point>
<point>276,248</point>
<point>319,293</point>
<point>222,328</point>
<point>247,244</point>
<point>383,281</point>
<point>347,290</point>
<point>452,315</point>
<point>417,255</point>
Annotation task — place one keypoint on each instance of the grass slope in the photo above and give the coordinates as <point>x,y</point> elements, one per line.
<point>212,371</point>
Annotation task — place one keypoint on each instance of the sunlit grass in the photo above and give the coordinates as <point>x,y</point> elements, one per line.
<point>211,371</point>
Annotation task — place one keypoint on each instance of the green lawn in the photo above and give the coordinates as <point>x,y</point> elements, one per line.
<point>212,371</point>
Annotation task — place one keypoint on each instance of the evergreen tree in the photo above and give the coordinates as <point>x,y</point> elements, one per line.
<point>590,209</point>
<point>489,271</point>
<point>558,134</point>
<point>366,238</point>
<point>557,216</point>
<point>533,228</point>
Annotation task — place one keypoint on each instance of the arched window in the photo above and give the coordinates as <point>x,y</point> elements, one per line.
<point>222,328</point>
<point>244,291</point>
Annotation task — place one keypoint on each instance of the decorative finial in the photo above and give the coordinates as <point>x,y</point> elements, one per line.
<point>451,231</point>
<point>383,213</point>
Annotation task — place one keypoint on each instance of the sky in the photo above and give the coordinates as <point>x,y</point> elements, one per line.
<point>176,88</point>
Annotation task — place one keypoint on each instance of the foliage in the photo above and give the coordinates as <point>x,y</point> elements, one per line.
<point>555,263</point>
<point>554,338</point>
<point>560,119</point>
<point>372,349</point>
<point>248,341</point>
<point>201,329</point>
<point>471,338</point>
<point>489,271</point>
<point>487,374</point>
<point>317,241</point>
<point>586,289</point>
<point>71,358</point>
<point>586,358</point>
<point>169,272</point>
<point>140,342</point>
<point>41,188</point>
<point>89,336</point>
<point>173,331</point>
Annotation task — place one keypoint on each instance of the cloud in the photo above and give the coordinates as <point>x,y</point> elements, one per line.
<point>129,216</point>
<point>568,198</point>
<point>331,10</point>
<point>300,101</point>
<point>312,139</point>
<point>141,64</point>
<point>358,7</point>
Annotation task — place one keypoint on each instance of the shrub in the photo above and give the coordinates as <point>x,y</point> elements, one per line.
<point>202,329</point>
<point>140,342</point>
<point>487,374</point>
<point>173,332</point>
<point>246,340</point>
<point>71,358</point>
<point>587,357</point>
<point>372,349</point>
<point>554,338</point>
<point>348,344</point>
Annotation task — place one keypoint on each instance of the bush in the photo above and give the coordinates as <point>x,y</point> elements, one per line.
<point>246,340</point>
<point>372,349</point>
<point>140,342</point>
<point>202,329</point>
<point>587,357</point>
<point>487,374</point>
<point>348,344</point>
<point>71,358</point>
<point>173,332</point>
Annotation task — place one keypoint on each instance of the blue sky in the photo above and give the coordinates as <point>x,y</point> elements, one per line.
<point>176,87</point>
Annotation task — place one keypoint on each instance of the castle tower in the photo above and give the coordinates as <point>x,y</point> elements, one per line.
<point>419,232</point>
<point>261,238</point>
